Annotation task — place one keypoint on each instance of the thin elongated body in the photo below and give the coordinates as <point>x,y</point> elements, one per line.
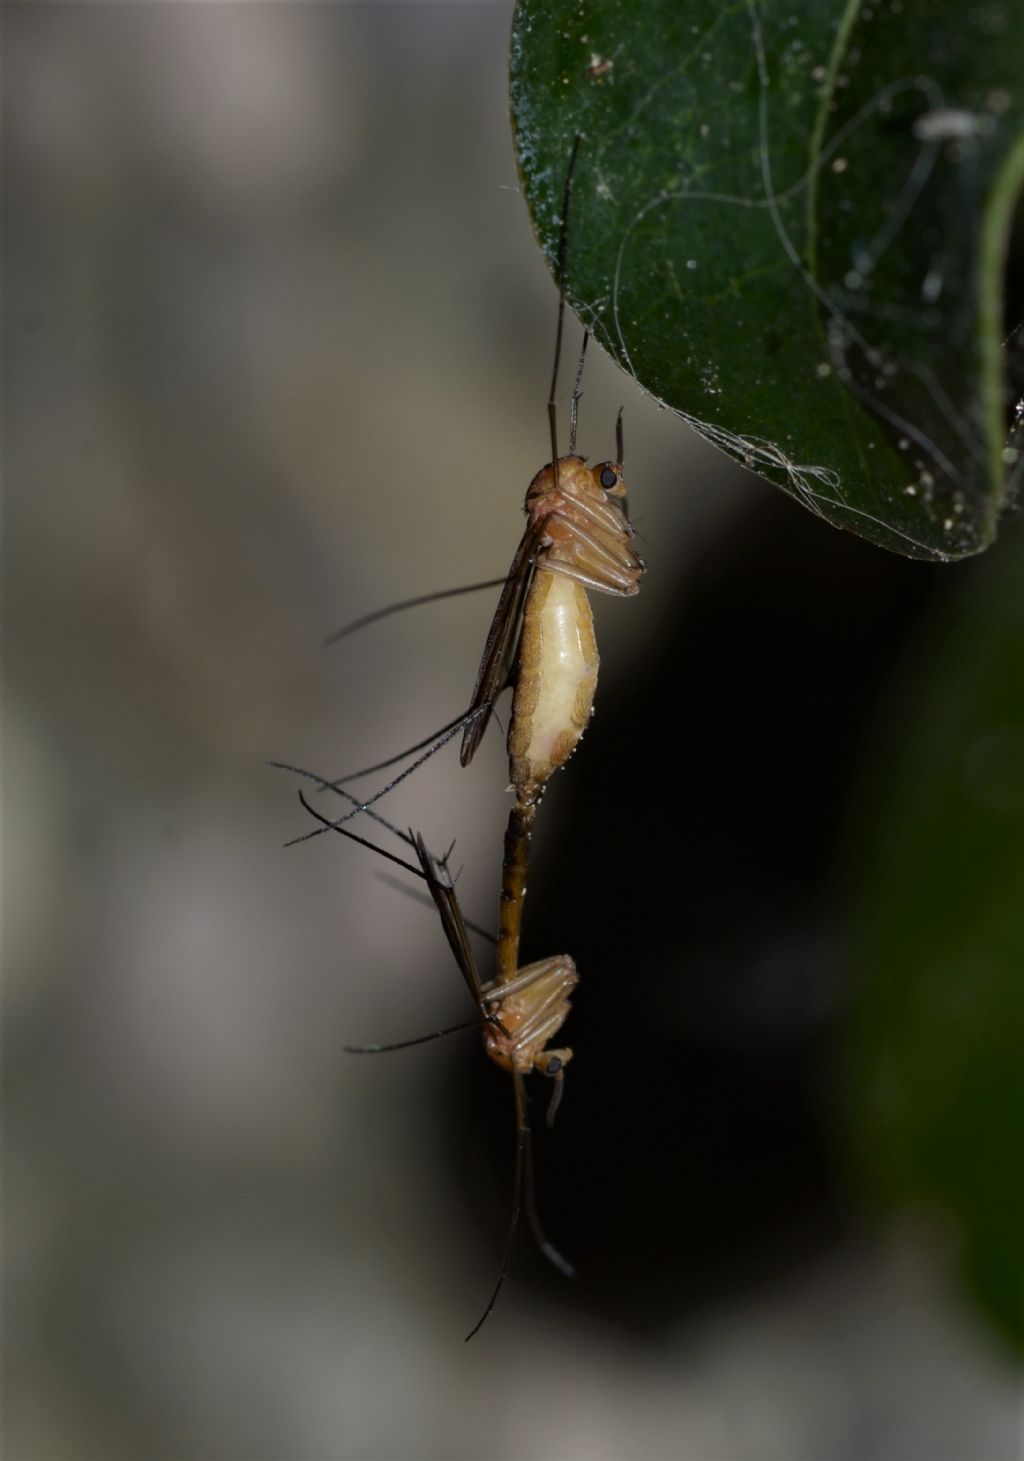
<point>520,1017</point>
<point>576,529</point>
<point>583,540</point>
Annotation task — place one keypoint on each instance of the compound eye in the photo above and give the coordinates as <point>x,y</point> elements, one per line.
<point>609,478</point>
<point>553,1066</point>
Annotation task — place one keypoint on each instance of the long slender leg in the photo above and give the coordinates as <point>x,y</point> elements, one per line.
<point>522,1138</point>
<point>329,826</point>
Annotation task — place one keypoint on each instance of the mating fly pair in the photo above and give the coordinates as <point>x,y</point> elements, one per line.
<point>541,643</point>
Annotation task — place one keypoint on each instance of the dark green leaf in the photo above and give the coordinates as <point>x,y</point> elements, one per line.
<point>937,1088</point>
<point>790,223</point>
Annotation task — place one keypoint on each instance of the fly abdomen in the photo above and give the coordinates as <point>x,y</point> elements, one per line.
<point>557,677</point>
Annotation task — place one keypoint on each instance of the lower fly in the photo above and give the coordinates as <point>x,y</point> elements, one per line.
<point>519,1018</point>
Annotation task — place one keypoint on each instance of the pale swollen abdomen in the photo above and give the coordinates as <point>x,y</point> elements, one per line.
<point>557,676</point>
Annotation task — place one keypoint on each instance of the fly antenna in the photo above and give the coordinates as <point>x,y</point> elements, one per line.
<point>563,241</point>
<point>399,608</point>
<point>522,1142</point>
<point>577,392</point>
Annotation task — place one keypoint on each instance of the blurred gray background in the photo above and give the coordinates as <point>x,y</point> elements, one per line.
<point>277,351</point>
